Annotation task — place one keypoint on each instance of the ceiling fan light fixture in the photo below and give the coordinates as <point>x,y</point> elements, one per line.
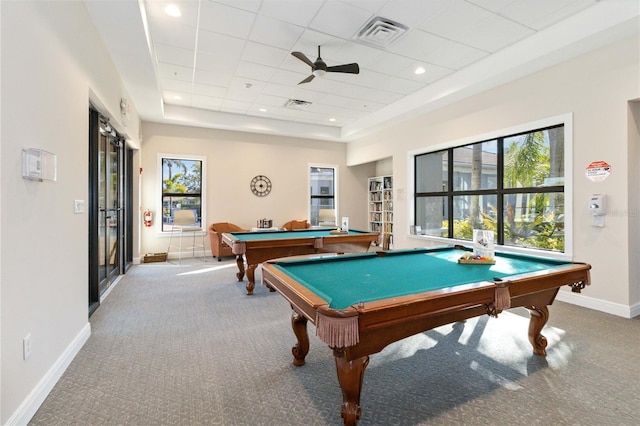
<point>319,68</point>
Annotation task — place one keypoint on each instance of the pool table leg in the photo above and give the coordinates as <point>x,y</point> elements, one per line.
<point>251,279</point>
<point>539,317</point>
<point>240,263</point>
<point>350,376</point>
<point>301,349</point>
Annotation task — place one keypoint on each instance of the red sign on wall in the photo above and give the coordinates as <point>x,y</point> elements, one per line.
<point>598,171</point>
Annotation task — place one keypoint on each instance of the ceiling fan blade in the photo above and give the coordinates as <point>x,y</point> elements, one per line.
<point>303,58</point>
<point>348,68</point>
<point>308,79</point>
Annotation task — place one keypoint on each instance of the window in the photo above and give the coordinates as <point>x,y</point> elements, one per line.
<point>182,188</point>
<point>323,206</point>
<point>513,185</point>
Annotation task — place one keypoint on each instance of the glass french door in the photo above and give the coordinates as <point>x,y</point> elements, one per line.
<point>109,227</point>
<point>109,206</point>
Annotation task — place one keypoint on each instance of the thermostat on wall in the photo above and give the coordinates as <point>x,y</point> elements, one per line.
<point>38,164</point>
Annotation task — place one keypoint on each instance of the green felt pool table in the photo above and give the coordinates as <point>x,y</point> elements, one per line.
<point>361,303</point>
<point>257,247</point>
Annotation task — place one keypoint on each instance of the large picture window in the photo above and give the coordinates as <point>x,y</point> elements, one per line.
<point>182,189</point>
<point>512,185</point>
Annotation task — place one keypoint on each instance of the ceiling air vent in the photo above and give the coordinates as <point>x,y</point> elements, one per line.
<point>381,32</point>
<point>297,104</point>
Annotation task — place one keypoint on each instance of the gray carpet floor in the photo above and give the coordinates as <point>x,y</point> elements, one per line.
<point>184,345</point>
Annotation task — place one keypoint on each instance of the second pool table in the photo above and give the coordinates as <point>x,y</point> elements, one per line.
<point>362,303</point>
<point>257,247</point>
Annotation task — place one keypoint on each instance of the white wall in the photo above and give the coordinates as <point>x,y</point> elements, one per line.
<point>595,89</point>
<point>52,62</point>
<point>233,159</point>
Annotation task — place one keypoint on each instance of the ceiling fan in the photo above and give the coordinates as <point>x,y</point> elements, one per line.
<point>320,68</point>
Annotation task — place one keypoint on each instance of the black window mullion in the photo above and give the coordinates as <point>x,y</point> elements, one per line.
<point>500,193</point>
<point>450,191</point>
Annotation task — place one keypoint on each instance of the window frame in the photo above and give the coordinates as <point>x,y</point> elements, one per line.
<point>311,197</point>
<point>565,120</point>
<point>203,189</point>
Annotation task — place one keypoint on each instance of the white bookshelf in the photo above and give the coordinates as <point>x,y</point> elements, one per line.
<point>381,208</point>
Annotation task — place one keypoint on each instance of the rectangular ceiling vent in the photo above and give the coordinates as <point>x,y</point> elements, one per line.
<point>381,32</point>
<point>297,104</point>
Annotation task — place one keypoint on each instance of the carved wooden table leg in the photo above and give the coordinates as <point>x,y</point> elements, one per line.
<point>251,280</point>
<point>350,376</point>
<point>301,349</point>
<point>240,263</point>
<point>539,317</point>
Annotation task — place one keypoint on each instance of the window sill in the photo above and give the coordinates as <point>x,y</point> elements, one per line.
<point>499,248</point>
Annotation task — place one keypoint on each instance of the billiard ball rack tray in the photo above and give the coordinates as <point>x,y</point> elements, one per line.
<point>477,261</point>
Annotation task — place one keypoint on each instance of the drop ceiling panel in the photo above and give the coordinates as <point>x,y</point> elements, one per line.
<point>494,6</point>
<point>174,55</point>
<point>248,5</point>
<point>388,63</point>
<point>172,34</point>
<point>412,12</point>
<point>175,72</point>
<point>351,51</point>
<point>254,71</point>
<point>295,12</point>
<point>262,54</point>
<point>226,47</point>
<point>339,19</point>
<point>274,32</point>
<point>454,19</point>
<point>493,34</point>
<point>224,19</point>
<point>222,62</point>
<point>418,45</point>
<point>212,78</point>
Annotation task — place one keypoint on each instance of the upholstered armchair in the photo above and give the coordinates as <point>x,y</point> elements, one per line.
<point>218,249</point>
<point>296,224</point>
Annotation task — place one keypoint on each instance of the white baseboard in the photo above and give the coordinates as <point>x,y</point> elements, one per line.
<point>36,397</point>
<point>599,304</point>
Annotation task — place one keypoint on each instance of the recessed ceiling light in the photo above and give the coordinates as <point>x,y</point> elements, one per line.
<point>419,70</point>
<point>262,110</point>
<point>332,119</point>
<point>177,97</point>
<point>172,10</point>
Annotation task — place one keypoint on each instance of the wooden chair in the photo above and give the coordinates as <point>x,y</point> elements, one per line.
<point>296,224</point>
<point>218,248</point>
